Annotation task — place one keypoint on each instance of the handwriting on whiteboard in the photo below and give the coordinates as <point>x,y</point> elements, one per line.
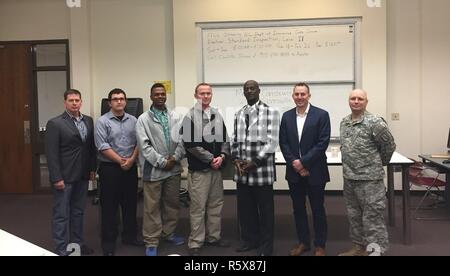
<point>264,44</point>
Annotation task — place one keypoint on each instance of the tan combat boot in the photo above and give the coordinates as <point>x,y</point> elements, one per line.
<point>356,250</point>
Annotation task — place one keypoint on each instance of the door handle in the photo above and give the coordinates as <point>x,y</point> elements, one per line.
<point>26,132</point>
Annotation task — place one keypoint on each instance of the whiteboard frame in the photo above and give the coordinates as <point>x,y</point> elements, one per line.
<point>356,21</point>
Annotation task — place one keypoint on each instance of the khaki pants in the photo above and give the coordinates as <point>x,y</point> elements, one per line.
<point>161,209</point>
<point>206,193</point>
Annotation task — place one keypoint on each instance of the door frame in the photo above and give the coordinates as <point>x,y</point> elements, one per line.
<point>37,143</point>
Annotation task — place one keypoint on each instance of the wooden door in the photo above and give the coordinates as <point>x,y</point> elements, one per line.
<point>15,118</point>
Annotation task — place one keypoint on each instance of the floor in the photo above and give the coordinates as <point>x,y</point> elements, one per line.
<point>28,216</point>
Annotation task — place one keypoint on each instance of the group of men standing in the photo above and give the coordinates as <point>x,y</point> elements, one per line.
<point>162,139</point>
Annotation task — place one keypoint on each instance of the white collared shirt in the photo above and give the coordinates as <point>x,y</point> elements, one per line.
<point>251,112</point>
<point>207,113</point>
<point>301,118</point>
<point>252,108</point>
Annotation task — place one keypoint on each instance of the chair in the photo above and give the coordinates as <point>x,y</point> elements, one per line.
<point>427,177</point>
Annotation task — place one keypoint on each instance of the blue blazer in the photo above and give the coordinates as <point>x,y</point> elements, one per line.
<point>314,143</point>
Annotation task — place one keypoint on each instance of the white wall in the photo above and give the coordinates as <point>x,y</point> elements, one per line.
<point>418,70</point>
<point>33,19</point>
<point>81,55</point>
<point>404,74</point>
<point>132,46</point>
<point>435,75</point>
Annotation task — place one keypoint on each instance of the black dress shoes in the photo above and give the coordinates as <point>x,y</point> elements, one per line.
<point>220,243</point>
<point>262,253</point>
<point>108,253</point>
<point>245,248</point>
<point>194,251</point>
<point>85,250</point>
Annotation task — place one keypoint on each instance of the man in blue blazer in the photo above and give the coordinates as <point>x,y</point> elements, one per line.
<point>304,139</point>
<point>71,158</point>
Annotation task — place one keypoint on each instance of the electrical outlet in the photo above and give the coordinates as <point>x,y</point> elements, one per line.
<point>395,116</point>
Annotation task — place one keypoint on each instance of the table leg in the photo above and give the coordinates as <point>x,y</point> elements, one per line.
<point>406,205</point>
<point>391,195</point>
<point>447,189</point>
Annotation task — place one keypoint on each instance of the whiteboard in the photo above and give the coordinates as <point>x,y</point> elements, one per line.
<point>331,97</point>
<point>278,54</point>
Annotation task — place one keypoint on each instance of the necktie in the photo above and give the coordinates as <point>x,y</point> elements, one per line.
<point>247,121</point>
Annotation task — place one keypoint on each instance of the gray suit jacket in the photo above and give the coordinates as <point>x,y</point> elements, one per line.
<point>68,157</point>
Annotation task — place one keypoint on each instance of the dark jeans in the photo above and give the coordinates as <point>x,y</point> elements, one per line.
<point>117,188</point>
<point>256,217</point>
<point>315,194</point>
<point>68,213</point>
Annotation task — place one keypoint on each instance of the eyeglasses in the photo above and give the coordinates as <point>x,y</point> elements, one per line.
<point>118,99</point>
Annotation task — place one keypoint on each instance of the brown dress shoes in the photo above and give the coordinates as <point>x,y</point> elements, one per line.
<point>320,252</point>
<point>298,250</point>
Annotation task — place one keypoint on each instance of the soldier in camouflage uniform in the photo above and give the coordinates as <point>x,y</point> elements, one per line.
<point>367,145</point>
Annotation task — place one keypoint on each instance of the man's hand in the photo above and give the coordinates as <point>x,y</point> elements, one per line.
<point>249,166</point>
<point>304,172</point>
<point>92,176</point>
<point>238,164</point>
<point>170,164</point>
<point>216,163</point>
<point>297,165</point>
<point>126,163</point>
<point>59,185</point>
<point>299,168</point>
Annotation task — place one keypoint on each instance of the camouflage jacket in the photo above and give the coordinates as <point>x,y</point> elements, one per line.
<point>366,145</point>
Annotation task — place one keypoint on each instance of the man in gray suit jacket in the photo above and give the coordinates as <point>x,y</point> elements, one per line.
<point>71,158</point>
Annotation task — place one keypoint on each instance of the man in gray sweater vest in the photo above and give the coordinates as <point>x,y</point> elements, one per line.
<point>206,142</point>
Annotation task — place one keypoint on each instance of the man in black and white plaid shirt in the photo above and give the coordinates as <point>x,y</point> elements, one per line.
<point>254,141</point>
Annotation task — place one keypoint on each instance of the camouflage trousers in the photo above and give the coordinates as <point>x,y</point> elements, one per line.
<point>366,204</point>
